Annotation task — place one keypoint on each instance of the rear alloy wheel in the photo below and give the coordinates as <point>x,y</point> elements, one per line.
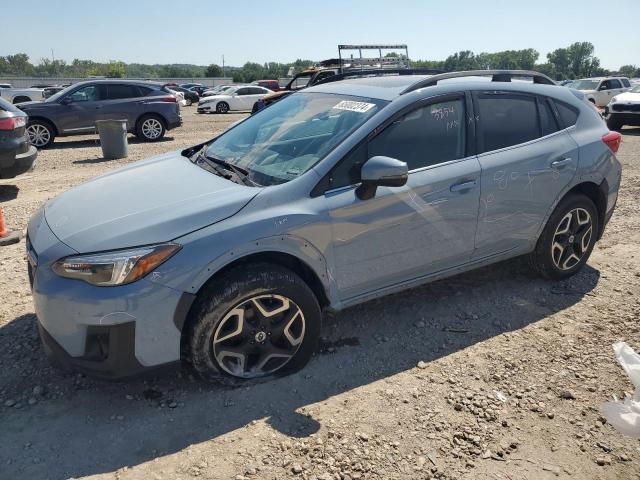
<point>251,322</point>
<point>222,107</point>
<point>568,238</point>
<point>150,129</point>
<point>40,134</point>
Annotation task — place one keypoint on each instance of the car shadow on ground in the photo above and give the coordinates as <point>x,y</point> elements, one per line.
<point>84,427</point>
<point>63,143</point>
<point>631,131</point>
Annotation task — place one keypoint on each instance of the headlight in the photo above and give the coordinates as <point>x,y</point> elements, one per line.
<point>117,267</point>
<point>613,100</point>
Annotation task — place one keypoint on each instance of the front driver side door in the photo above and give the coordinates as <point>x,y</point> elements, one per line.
<point>79,114</point>
<point>405,233</point>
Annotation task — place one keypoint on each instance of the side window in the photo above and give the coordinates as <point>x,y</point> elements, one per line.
<point>243,91</point>
<point>257,91</point>
<point>143,91</point>
<point>90,93</point>
<point>426,136</point>
<point>347,172</point>
<point>548,123</point>
<point>625,82</point>
<point>615,84</point>
<point>506,120</point>
<point>118,91</point>
<point>568,114</point>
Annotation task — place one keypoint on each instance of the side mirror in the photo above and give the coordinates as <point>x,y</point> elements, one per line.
<point>66,101</point>
<point>381,171</point>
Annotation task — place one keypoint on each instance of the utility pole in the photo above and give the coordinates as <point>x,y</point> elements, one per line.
<point>53,62</point>
<point>223,65</point>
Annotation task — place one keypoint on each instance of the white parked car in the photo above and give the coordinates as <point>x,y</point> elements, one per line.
<point>624,109</point>
<point>19,95</point>
<point>601,90</point>
<point>234,99</point>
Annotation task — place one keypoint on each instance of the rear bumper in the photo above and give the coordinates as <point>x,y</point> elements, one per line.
<point>22,162</point>
<point>174,123</point>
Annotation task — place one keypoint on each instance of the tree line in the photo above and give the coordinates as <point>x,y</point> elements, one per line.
<point>575,61</point>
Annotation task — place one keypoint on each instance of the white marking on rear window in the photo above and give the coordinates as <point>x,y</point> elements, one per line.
<point>354,106</point>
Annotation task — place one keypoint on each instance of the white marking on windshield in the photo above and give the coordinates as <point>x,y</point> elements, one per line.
<point>354,106</point>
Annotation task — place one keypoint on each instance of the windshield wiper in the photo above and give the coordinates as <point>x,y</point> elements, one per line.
<point>199,158</point>
<point>241,173</point>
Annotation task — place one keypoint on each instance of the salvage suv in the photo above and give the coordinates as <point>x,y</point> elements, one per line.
<point>148,107</point>
<point>225,254</point>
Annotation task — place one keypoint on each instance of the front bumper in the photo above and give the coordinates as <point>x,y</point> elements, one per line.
<point>109,332</point>
<point>204,108</point>
<point>625,118</point>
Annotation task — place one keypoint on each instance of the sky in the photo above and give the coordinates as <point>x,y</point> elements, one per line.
<point>201,32</point>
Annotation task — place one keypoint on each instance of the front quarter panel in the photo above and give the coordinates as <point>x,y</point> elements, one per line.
<point>298,227</point>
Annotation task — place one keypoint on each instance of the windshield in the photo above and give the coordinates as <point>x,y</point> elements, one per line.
<point>56,96</point>
<point>289,137</point>
<point>584,84</point>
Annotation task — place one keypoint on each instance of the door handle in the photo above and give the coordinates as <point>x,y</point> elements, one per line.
<point>463,186</point>
<point>561,163</point>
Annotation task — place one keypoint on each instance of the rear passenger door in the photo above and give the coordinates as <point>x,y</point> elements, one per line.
<point>123,102</point>
<point>527,160</point>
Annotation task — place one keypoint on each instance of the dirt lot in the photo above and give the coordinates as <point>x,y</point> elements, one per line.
<point>403,387</point>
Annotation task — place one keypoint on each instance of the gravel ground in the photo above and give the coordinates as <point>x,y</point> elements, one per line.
<point>494,374</point>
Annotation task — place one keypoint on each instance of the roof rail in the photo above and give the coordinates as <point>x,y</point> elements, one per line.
<point>496,76</point>
<point>378,72</point>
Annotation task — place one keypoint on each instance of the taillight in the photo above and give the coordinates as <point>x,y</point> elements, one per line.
<point>170,99</point>
<point>12,123</point>
<point>613,140</point>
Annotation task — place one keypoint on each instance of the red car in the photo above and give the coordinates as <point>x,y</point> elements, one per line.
<point>272,85</point>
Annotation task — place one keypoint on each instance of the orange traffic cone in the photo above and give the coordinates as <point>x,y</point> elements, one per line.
<point>6,237</point>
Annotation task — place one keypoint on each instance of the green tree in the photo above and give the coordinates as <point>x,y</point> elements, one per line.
<point>213,70</point>
<point>630,71</point>
<point>116,69</point>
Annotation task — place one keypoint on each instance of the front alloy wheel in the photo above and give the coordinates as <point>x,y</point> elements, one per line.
<point>259,336</point>
<point>252,321</point>
<point>572,239</point>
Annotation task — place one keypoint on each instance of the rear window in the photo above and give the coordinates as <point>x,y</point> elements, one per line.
<point>507,120</point>
<point>547,118</point>
<point>7,107</point>
<point>625,82</point>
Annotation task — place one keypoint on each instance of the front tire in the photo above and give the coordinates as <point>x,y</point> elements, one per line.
<point>150,128</point>
<point>222,107</point>
<point>40,133</point>
<point>253,321</point>
<point>568,238</point>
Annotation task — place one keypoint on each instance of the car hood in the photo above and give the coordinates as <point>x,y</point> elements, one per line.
<point>27,105</point>
<point>151,201</point>
<point>627,97</point>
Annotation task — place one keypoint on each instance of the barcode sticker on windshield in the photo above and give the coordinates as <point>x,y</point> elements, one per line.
<point>354,106</point>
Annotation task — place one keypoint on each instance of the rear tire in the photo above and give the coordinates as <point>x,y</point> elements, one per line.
<point>253,321</point>
<point>568,238</point>
<point>150,128</point>
<point>222,107</point>
<point>40,133</point>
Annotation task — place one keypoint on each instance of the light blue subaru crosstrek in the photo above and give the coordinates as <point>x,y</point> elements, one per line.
<point>224,255</point>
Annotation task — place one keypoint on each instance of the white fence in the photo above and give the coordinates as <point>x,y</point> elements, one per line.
<point>25,82</point>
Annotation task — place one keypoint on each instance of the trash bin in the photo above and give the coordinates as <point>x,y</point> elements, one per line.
<point>113,138</point>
